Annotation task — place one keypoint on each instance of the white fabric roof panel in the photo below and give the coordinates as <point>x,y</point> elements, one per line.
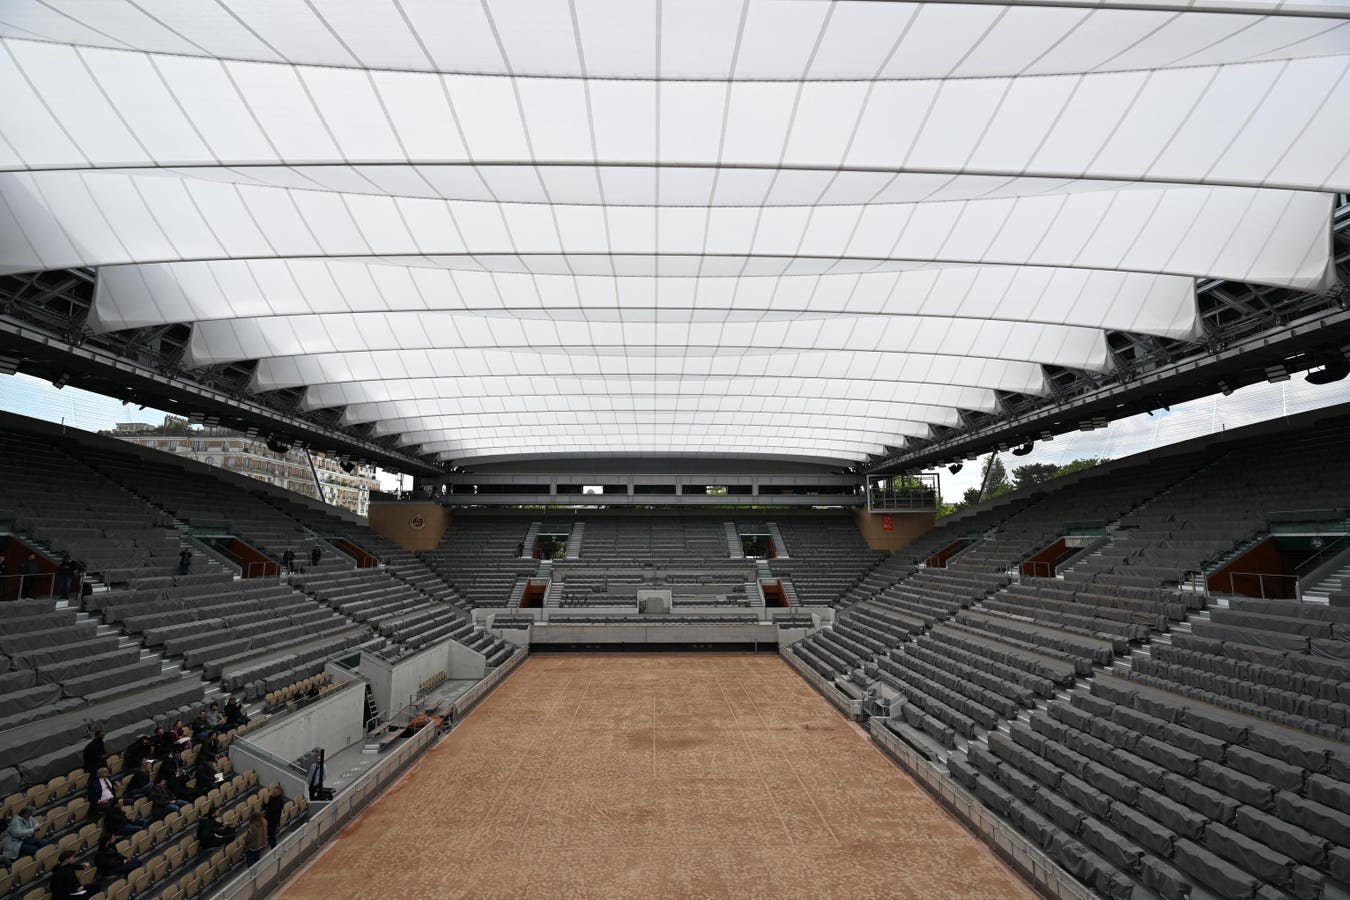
<point>804,228</point>
<point>64,219</point>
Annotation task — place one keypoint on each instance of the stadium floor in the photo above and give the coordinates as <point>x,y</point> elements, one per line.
<point>697,775</point>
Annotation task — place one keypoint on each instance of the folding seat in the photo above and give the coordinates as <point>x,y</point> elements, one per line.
<point>37,796</point>
<point>175,856</point>
<point>59,787</point>
<point>24,869</point>
<point>190,885</point>
<point>38,894</point>
<point>157,868</point>
<point>118,890</point>
<point>138,880</point>
<point>45,858</point>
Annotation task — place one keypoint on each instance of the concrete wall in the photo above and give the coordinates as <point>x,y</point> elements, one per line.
<point>395,522</point>
<point>333,722</point>
<point>906,528</point>
<point>393,683</point>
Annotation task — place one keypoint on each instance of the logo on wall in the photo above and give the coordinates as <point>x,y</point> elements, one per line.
<point>417,522</point>
<point>887,523</point>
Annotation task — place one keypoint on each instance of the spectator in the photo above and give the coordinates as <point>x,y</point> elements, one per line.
<point>200,727</point>
<point>182,738</point>
<point>256,841</point>
<point>95,753</point>
<point>139,784</point>
<point>214,718</point>
<point>110,862</point>
<point>21,836</point>
<point>66,573</point>
<point>272,809</point>
<point>162,798</point>
<point>314,556</point>
<point>185,561</point>
<point>212,833</point>
<point>137,751</point>
<point>288,560</point>
<point>100,793</point>
<point>204,776</point>
<point>178,784</point>
<point>65,881</point>
<point>234,713</point>
<point>163,742</point>
<point>28,570</point>
<point>116,821</point>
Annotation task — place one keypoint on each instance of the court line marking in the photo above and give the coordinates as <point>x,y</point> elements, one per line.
<point>768,792</point>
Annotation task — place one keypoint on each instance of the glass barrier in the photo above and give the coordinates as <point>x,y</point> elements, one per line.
<point>41,586</point>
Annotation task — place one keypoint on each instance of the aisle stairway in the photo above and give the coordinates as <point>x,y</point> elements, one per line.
<point>735,549</point>
<point>573,549</point>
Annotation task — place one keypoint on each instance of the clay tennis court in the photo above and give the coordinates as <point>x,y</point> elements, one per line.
<point>670,775</point>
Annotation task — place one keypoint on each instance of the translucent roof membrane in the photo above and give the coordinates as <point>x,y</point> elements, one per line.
<point>804,228</point>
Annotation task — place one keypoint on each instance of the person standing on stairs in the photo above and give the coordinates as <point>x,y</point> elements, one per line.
<point>314,556</point>
<point>185,561</point>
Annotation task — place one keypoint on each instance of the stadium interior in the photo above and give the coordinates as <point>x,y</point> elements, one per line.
<point>679,317</point>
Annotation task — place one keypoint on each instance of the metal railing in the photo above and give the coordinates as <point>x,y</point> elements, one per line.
<point>1269,586</point>
<point>1025,857</point>
<point>39,586</point>
<point>1037,568</point>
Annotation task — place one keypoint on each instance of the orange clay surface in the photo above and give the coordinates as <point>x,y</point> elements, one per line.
<point>673,775</point>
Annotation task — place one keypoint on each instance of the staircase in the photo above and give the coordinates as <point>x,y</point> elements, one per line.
<point>517,592</point>
<point>789,592</point>
<point>734,547</point>
<point>762,569</point>
<point>573,549</point>
<point>780,547</point>
<point>553,594</point>
<point>1334,583</point>
<point>530,537</point>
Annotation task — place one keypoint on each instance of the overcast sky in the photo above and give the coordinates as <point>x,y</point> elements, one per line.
<point>34,397</point>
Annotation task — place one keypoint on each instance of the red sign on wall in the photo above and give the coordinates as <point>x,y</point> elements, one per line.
<point>887,523</point>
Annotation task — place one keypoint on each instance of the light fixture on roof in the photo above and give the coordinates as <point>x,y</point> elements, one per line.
<point>1277,373</point>
<point>954,467</point>
<point>252,431</point>
<point>9,364</point>
<point>1024,449</point>
<point>211,421</point>
<point>196,418</point>
<point>1334,367</point>
<point>277,445</point>
<point>1225,388</point>
<point>1002,448</point>
<point>347,466</point>
<point>61,380</point>
<point>1047,436</point>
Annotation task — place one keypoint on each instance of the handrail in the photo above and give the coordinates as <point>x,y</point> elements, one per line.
<point>1261,583</point>
<point>1307,566</point>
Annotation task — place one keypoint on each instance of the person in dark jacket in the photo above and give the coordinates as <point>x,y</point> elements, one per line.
<point>139,784</point>
<point>65,882</point>
<point>163,800</point>
<point>109,860</point>
<point>100,793</point>
<point>66,574</point>
<point>212,833</point>
<point>272,810</point>
<point>137,751</point>
<point>185,561</point>
<point>314,556</point>
<point>95,753</point>
<point>288,560</point>
<point>234,713</point>
<point>116,821</point>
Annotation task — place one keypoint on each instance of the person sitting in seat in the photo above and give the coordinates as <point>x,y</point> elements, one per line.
<point>204,776</point>
<point>212,833</point>
<point>116,821</point>
<point>21,836</point>
<point>234,713</point>
<point>162,798</point>
<point>214,718</point>
<point>65,882</point>
<point>201,728</point>
<point>110,861</point>
<point>100,793</point>
<point>139,784</point>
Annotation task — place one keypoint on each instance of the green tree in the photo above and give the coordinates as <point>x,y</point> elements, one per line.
<point>1034,473</point>
<point>1078,465</point>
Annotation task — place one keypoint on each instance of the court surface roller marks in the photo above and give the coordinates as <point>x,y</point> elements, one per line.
<point>671,775</point>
